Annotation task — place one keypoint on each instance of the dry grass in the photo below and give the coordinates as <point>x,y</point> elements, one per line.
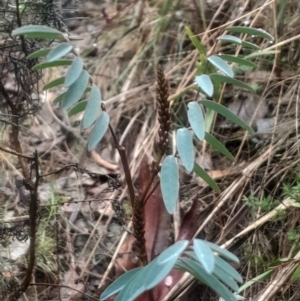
<point>132,38</point>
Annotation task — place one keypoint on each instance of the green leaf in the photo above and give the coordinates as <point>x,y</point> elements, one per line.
<point>196,119</point>
<point>229,80</point>
<point>92,108</point>
<point>251,31</point>
<point>223,252</point>
<point>227,113</point>
<point>264,276</point>
<point>218,146</point>
<point>261,53</point>
<point>296,274</point>
<point>59,51</point>
<point>57,63</point>
<point>204,82</point>
<point>98,131</point>
<point>54,83</point>
<point>74,71</point>
<point>203,174</point>
<point>119,283</point>
<point>221,65</point>
<point>76,90</point>
<point>38,32</point>
<point>59,98</point>
<point>230,39</point>
<point>205,255</point>
<point>222,264</point>
<point>195,269</point>
<point>195,41</point>
<point>39,53</point>
<point>79,107</point>
<point>250,45</point>
<point>237,60</point>
<point>169,183</point>
<point>185,148</point>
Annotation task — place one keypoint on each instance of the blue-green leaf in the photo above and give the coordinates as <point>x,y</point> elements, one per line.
<point>222,264</point>
<point>76,90</point>
<point>230,80</point>
<point>223,252</point>
<point>61,96</point>
<point>169,183</point>
<point>227,113</point>
<point>38,32</point>
<point>237,60</point>
<point>74,71</point>
<point>119,283</point>
<point>185,148</point>
<point>230,39</point>
<point>92,108</point>
<point>205,255</point>
<point>221,65</point>
<point>251,31</point>
<point>152,274</point>
<point>195,269</point>
<point>205,83</point>
<point>59,51</point>
<point>246,44</point>
<point>162,265</point>
<point>54,83</point>
<point>98,131</point>
<point>57,63</point>
<point>261,53</point>
<point>39,53</point>
<point>79,107</point>
<point>203,174</point>
<point>196,119</point>
<point>218,146</point>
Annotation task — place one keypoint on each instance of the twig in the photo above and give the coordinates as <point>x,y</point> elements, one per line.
<point>66,286</point>
<point>15,153</point>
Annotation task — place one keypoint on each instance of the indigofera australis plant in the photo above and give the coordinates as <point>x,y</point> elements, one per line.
<point>160,265</point>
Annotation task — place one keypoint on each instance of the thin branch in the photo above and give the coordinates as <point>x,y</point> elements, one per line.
<point>15,153</point>
<point>66,286</point>
<point>125,164</point>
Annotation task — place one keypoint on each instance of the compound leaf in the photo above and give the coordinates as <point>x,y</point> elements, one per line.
<point>169,183</point>
<point>59,51</point>
<point>196,119</point>
<point>76,90</point>
<point>92,108</point>
<point>185,148</point>
<point>251,31</point>
<point>98,131</point>
<point>227,113</point>
<point>57,63</point>
<point>221,65</point>
<point>54,83</point>
<point>230,39</point>
<point>205,83</point>
<point>218,146</point>
<point>74,71</point>
<point>205,255</point>
<point>39,53</point>
<point>79,107</point>
<point>237,60</point>
<point>223,252</point>
<point>38,32</point>
<point>205,176</point>
<point>230,80</point>
<point>119,283</point>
